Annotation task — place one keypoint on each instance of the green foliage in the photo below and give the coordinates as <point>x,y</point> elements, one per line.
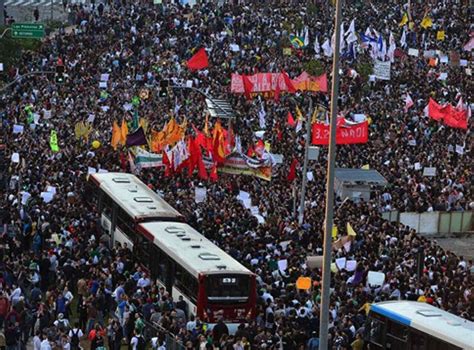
<point>299,24</point>
<point>313,67</point>
<point>364,69</point>
<point>11,49</point>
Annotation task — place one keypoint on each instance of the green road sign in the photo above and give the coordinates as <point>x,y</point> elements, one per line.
<point>27,30</point>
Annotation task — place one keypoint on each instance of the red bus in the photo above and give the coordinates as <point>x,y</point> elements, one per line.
<point>187,264</point>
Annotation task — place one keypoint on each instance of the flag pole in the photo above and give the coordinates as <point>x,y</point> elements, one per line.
<point>328,222</point>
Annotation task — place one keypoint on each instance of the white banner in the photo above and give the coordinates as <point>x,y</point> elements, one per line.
<point>382,70</point>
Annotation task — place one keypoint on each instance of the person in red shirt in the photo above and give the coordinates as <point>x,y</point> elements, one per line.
<point>4,308</point>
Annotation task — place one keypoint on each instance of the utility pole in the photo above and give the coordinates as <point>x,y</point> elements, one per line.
<point>304,178</point>
<point>328,222</point>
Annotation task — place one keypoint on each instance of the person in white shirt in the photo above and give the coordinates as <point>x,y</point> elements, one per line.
<point>45,345</point>
<point>37,341</point>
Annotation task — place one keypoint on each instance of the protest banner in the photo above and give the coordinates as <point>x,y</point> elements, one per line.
<point>382,70</point>
<point>349,134</point>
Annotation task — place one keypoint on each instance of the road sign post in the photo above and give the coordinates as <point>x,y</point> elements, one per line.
<point>27,30</point>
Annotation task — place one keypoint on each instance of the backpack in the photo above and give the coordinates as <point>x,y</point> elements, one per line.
<point>75,339</point>
<point>62,326</point>
<point>141,345</point>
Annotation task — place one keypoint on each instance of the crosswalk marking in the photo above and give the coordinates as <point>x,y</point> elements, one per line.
<point>33,3</point>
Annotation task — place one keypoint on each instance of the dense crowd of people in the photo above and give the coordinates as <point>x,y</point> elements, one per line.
<point>61,284</point>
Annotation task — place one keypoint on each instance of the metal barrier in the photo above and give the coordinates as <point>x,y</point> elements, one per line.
<point>153,330</point>
<point>433,222</point>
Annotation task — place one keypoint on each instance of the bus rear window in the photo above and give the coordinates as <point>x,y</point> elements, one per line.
<point>228,288</point>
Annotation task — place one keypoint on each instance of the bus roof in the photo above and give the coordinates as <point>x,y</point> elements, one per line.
<point>429,319</point>
<point>192,250</point>
<point>133,196</point>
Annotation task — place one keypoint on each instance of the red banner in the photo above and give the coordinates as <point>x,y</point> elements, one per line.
<point>345,134</point>
<point>267,83</point>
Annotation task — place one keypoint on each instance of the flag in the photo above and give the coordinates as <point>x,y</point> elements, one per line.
<point>116,135</point>
<point>351,29</point>
<point>391,48</point>
<point>297,41</point>
<point>317,47</point>
<point>350,230</point>
<point>53,141</point>
<point>213,174</point>
<point>334,232</point>
<point>289,84</point>
<point>408,102</point>
<point>137,138</point>
<point>440,35</point>
<point>365,167</point>
<point>299,118</point>
<point>342,41</point>
<point>403,39</point>
<point>144,159</point>
<point>218,142</point>
<point>426,22</point>
<point>123,132</point>
<point>261,117</point>
<point>290,120</point>
<point>327,48</point>
<point>248,86</point>
<point>435,110</point>
<point>306,37</point>
<point>404,20</point>
<point>278,89</point>
<point>199,60</point>
<point>292,172</point>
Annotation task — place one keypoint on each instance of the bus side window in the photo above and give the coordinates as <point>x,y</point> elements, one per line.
<point>376,334</point>
<point>417,340</point>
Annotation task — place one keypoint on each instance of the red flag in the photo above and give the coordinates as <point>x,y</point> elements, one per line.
<point>199,60</point>
<point>435,110</point>
<point>167,163</point>
<point>290,120</point>
<point>292,173</point>
<point>259,148</point>
<point>408,102</point>
<point>213,175</point>
<point>455,118</point>
<point>250,151</point>
<point>288,82</point>
<point>248,86</point>
<point>193,155</point>
<point>279,132</point>
<point>277,89</point>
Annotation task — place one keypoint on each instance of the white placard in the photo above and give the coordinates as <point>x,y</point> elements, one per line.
<point>469,71</point>
<point>444,59</point>
<point>463,63</point>
<point>382,70</point>
<point>260,219</point>
<point>310,176</point>
<point>359,118</point>
<point>104,77</point>
<point>247,203</point>
<point>200,194</point>
<point>1,67</point>
<point>24,197</point>
<point>103,85</point>
<point>375,279</point>
<point>417,166</point>
<point>412,142</point>
<point>16,157</point>
<point>234,47</point>
<point>429,171</point>
<point>459,149</point>
<point>51,189</point>
<point>413,52</point>
<point>282,265</point>
<point>91,118</point>
<point>46,114</point>
<point>254,210</point>
<point>277,158</point>
<point>36,118</point>
<point>443,76</point>
<point>18,129</point>
<point>243,195</point>
<point>103,171</point>
<point>91,170</point>
<point>47,196</point>
<point>351,265</point>
<point>341,263</point>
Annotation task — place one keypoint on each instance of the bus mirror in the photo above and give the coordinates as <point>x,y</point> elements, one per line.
<point>314,262</point>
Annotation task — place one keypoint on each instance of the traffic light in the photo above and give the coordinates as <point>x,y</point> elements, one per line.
<point>164,84</point>
<point>59,76</point>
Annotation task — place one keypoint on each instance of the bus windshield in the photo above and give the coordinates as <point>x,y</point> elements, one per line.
<point>228,288</point>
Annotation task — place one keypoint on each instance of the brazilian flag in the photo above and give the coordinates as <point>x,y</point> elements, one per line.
<point>297,41</point>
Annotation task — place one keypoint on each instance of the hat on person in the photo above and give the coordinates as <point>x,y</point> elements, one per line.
<point>60,316</point>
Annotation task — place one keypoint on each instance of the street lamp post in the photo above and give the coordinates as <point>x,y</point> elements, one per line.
<point>328,222</point>
<point>305,164</point>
